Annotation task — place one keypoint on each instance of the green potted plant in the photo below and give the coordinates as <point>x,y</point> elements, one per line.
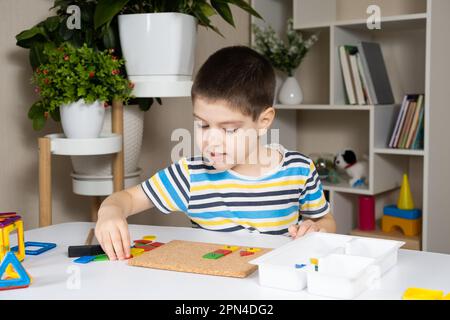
<point>285,57</point>
<point>77,84</point>
<point>158,38</point>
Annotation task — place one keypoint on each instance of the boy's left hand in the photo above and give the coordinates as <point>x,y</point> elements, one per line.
<point>307,226</point>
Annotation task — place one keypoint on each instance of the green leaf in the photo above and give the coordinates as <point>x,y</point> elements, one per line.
<point>26,38</point>
<point>35,110</point>
<point>39,122</point>
<point>106,10</point>
<point>206,9</point>
<point>37,55</point>
<point>55,114</point>
<point>245,6</point>
<point>109,38</point>
<point>224,11</point>
<point>52,23</point>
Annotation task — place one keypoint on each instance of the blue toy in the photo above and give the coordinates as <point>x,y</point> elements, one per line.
<point>84,260</point>
<point>394,211</point>
<point>44,247</point>
<point>23,279</point>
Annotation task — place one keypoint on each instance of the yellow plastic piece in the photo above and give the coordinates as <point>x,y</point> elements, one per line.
<point>231,248</point>
<point>422,294</point>
<point>136,252</point>
<point>5,233</point>
<point>405,200</point>
<point>314,261</point>
<point>447,297</point>
<point>149,237</point>
<point>409,227</point>
<point>253,249</point>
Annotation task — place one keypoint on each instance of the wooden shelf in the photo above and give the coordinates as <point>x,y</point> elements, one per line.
<point>324,107</point>
<point>411,243</point>
<point>402,152</point>
<point>345,187</point>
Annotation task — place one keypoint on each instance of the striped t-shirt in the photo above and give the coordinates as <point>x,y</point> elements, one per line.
<point>228,201</point>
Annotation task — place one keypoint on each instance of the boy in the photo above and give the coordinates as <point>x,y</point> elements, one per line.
<point>236,183</point>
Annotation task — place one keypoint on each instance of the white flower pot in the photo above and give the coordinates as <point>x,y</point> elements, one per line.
<point>290,92</point>
<point>133,131</point>
<point>158,46</point>
<point>82,121</point>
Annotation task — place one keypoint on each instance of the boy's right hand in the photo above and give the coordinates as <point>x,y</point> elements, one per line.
<point>112,233</point>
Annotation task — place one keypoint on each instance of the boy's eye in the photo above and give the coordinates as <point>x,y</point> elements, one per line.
<point>203,126</point>
<point>230,130</point>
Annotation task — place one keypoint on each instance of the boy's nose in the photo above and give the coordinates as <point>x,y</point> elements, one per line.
<point>214,138</point>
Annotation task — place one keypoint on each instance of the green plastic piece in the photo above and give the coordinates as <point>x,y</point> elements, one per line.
<point>101,257</point>
<point>213,255</point>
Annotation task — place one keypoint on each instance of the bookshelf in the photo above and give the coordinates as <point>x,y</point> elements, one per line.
<point>415,46</point>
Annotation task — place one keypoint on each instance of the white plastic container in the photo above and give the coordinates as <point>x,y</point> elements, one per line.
<point>342,276</point>
<point>347,265</point>
<point>277,268</point>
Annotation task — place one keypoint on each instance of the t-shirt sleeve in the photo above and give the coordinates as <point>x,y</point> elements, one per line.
<point>168,189</point>
<point>312,199</point>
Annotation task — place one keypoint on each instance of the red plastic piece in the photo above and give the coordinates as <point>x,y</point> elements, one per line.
<point>223,251</point>
<point>142,241</point>
<point>156,244</point>
<point>246,253</point>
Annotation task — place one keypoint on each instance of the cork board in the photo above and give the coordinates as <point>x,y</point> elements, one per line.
<point>187,256</point>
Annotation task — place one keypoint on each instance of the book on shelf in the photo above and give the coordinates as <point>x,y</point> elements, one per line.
<point>408,130</point>
<point>364,73</point>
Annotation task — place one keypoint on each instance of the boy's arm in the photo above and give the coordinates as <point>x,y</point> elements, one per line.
<point>111,229</point>
<point>323,224</point>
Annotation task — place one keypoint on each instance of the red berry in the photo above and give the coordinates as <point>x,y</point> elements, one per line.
<point>46,81</point>
<point>45,71</point>
<point>91,74</point>
<point>66,57</point>
<point>131,85</point>
<point>105,105</point>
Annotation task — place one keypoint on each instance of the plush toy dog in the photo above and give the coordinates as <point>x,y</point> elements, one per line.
<point>357,170</point>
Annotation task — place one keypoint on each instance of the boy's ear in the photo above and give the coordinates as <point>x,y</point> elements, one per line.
<point>266,118</point>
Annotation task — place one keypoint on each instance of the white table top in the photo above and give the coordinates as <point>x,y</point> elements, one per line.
<point>53,270</point>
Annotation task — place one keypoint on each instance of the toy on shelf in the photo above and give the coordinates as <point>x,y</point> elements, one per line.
<point>403,216</point>
<point>366,221</point>
<point>358,171</point>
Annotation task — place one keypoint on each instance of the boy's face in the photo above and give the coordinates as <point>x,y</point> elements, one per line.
<point>226,137</point>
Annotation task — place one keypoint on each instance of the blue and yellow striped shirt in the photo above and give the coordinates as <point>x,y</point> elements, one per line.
<point>228,201</point>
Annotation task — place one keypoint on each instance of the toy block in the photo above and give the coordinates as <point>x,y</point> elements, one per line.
<point>300,266</point>
<point>101,257</point>
<point>44,246</point>
<point>149,237</point>
<point>253,249</point>
<point>223,251</point>
<point>246,253</point>
<point>213,255</point>
<point>5,233</point>
<point>142,241</point>
<point>84,259</point>
<point>22,280</point>
<point>405,200</point>
<point>409,227</point>
<point>231,248</point>
<point>447,297</point>
<point>88,250</point>
<point>136,252</point>
<point>393,211</point>
<point>422,294</point>
<point>6,220</point>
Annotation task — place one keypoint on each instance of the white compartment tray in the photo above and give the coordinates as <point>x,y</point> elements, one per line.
<point>344,261</point>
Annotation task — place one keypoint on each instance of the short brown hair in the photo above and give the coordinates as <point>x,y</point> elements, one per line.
<point>240,76</point>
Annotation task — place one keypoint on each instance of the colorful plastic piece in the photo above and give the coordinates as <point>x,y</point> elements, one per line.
<point>137,252</point>
<point>149,237</point>
<point>44,246</point>
<point>231,248</point>
<point>16,224</point>
<point>213,255</point>
<point>405,200</point>
<point>393,211</point>
<point>156,244</point>
<point>84,260</point>
<point>101,257</point>
<point>142,241</point>
<point>409,227</point>
<point>145,247</point>
<point>223,251</point>
<point>86,250</point>
<point>300,266</point>
<point>245,253</point>
<point>315,263</point>
<point>423,294</point>
<point>253,250</point>
<point>23,280</point>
